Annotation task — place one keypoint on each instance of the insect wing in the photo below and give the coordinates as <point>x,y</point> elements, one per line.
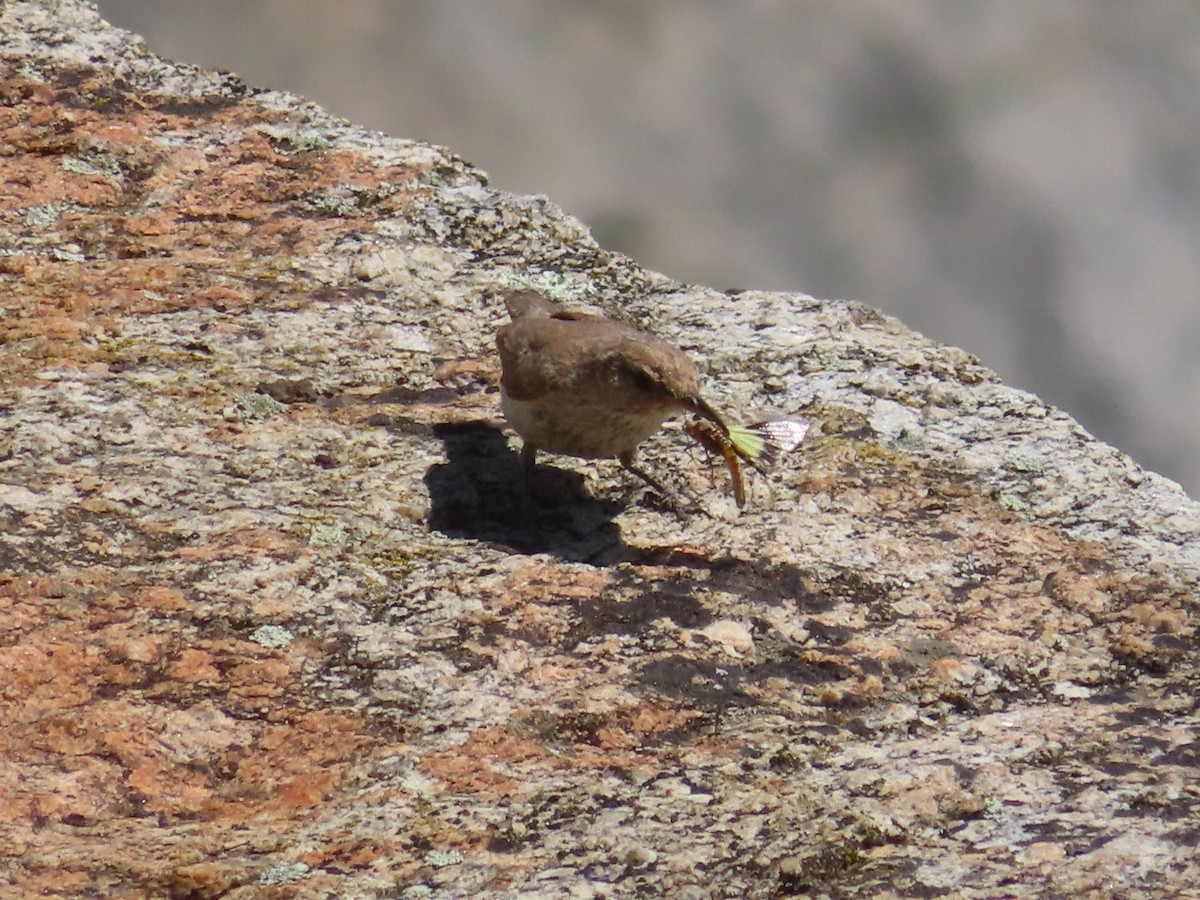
<point>748,442</point>
<point>766,443</point>
<point>783,436</point>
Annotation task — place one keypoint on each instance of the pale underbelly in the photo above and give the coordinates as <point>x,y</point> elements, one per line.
<point>585,430</point>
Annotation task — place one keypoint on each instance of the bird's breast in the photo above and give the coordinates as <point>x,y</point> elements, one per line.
<point>570,425</point>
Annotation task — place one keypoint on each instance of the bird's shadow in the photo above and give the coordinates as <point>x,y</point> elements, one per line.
<point>480,493</point>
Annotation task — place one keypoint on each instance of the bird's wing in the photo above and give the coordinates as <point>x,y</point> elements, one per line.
<point>540,354</point>
<point>529,304</point>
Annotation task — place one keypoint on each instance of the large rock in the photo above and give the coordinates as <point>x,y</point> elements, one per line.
<point>275,622</point>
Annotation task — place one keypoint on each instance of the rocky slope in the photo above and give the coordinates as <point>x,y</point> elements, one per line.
<point>276,623</point>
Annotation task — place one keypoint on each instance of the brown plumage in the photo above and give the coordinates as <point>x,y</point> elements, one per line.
<point>587,386</point>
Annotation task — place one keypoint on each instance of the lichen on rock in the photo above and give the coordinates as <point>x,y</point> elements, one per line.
<point>272,618</point>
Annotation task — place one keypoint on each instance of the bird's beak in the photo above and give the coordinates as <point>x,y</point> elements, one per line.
<point>700,407</point>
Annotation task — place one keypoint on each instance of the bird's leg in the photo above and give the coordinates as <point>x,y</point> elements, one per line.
<point>528,462</point>
<point>626,460</point>
<point>673,501</point>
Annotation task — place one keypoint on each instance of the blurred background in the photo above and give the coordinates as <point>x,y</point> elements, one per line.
<point>1018,178</point>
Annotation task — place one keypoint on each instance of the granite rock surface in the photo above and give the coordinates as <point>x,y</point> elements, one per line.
<point>277,621</point>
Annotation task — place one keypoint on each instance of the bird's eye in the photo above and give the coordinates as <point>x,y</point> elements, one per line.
<point>641,379</point>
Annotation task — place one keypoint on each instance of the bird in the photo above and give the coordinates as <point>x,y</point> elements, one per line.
<point>582,385</point>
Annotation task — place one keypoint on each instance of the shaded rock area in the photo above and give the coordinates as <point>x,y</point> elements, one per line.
<point>277,621</point>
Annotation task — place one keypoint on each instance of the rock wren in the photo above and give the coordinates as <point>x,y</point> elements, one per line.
<point>582,385</point>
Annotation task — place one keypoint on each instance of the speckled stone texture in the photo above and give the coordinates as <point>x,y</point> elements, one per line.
<point>278,621</point>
